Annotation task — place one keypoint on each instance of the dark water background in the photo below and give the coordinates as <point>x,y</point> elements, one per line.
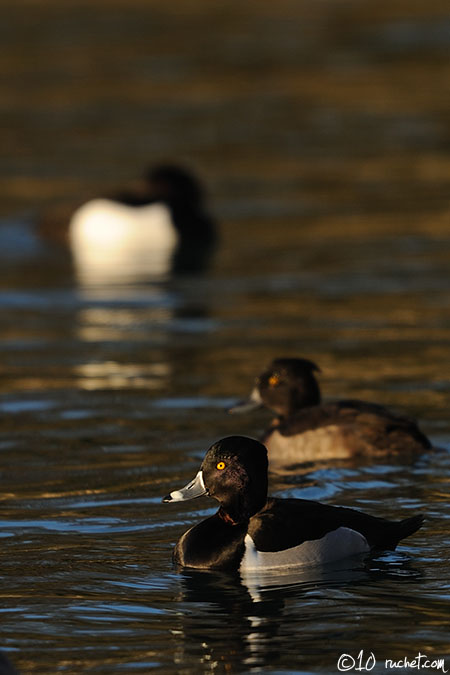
<point>322,131</point>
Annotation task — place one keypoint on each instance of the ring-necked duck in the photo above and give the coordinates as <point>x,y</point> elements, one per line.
<point>162,228</point>
<point>252,532</point>
<point>306,429</point>
<point>157,227</point>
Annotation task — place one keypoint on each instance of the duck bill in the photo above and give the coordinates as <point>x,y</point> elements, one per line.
<point>253,402</point>
<point>196,488</point>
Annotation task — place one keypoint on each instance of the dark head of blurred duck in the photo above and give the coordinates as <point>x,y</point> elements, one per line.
<point>176,185</point>
<point>307,429</point>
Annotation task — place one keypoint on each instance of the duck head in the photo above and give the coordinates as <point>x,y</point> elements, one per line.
<point>234,471</point>
<point>287,385</point>
<point>174,185</point>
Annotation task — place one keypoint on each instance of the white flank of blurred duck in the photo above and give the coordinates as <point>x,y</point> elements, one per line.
<point>109,238</point>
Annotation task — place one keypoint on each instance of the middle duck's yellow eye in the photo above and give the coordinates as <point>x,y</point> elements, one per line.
<point>220,466</point>
<point>274,380</point>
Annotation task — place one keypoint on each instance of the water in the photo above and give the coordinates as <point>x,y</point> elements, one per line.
<point>322,133</point>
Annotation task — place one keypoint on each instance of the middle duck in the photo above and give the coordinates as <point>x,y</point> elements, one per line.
<point>307,430</point>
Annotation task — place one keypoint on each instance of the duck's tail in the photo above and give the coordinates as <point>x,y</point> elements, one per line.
<point>402,529</point>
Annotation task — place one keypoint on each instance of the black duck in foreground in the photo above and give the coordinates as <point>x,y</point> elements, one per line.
<point>253,532</point>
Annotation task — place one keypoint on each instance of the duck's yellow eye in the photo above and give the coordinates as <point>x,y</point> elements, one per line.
<point>220,466</point>
<point>274,380</point>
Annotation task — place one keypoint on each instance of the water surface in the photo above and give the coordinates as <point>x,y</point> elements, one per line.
<point>322,133</point>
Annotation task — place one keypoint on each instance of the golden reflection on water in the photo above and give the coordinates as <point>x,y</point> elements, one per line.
<point>111,375</point>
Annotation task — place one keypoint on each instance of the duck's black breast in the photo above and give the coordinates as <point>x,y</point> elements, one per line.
<point>212,544</point>
<point>286,523</point>
<point>362,426</point>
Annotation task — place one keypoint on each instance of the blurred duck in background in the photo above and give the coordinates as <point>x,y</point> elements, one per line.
<point>157,229</point>
<point>307,430</point>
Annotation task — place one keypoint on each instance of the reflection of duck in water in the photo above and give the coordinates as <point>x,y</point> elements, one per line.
<point>223,603</point>
<point>307,430</point>
<point>252,610</point>
<point>251,532</point>
<point>161,228</point>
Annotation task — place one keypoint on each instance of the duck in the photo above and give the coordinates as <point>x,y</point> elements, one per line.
<point>158,228</point>
<point>305,429</point>
<point>254,532</point>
